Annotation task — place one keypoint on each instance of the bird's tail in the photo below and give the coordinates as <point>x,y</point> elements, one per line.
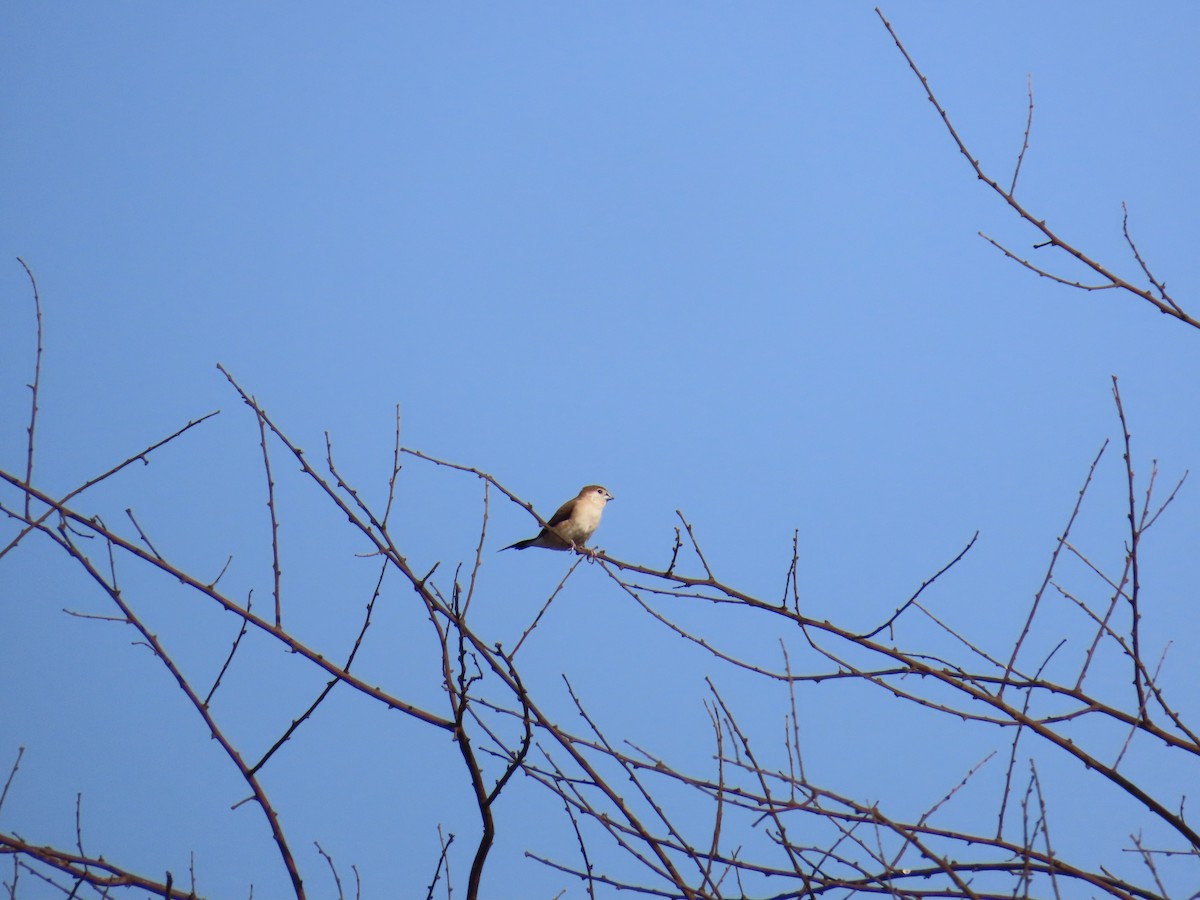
<point>519,545</point>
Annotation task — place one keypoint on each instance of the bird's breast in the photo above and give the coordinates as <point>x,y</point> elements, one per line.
<point>580,526</point>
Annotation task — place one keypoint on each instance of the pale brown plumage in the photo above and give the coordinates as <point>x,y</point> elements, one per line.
<point>573,524</point>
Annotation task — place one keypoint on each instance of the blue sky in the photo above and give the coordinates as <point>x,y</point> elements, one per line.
<point>719,259</point>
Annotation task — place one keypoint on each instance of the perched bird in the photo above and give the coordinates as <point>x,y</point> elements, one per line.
<point>573,524</point>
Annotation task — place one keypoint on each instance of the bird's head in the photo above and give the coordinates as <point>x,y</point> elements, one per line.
<point>594,493</point>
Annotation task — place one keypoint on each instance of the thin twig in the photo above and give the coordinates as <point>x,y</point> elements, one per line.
<point>1037,598</point>
<point>307,714</point>
<point>90,525</point>
<point>695,544</point>
<point>443,860</point>
<point>143,456</point>
<point>1158,285</point>
<point>545,606</point>
<point>391,496</point>
<point>232,650</point>
<point>142,534</point>
<point>275,569</point>
<point>337,879</point>
<point>924,584</point>
<point>214,729</point>
<point>37,381</point>
<point>1164,305</point>
<point>97,872</point>
<point>11,775</point>
<point>1025,142</point>
<point>1135,535</point>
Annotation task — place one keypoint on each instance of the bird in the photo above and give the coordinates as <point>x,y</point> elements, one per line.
<point>573,524</point>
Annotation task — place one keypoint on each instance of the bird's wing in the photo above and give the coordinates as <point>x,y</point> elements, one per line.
<point>564,512</point>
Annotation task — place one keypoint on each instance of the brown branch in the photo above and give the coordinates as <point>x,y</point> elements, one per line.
<point>143,456</point>
<point>372,529</point>
<point>91,526</point>
<point>37,380</point>
<point>11,775</point>
<point>1103,628</point>
<point>97,871</point>
<point>307,714</point>
<point>486,802</point>
<point>1037,599</point>
<point>79,823</point>
<point>275,569</point>
<point>719,805</point>
<point>479,473</point>
<point>1135,535</point>
<point>792,740</point>
<point>678,545</point>
<point>443,860</point>
<point>545,606</point>
<point>631,773</point>
<point>907,663</point>
<point>791,583</point>
<point>1148,860</point>
<point>110,588</point>
<point>695,544</point>
<point>1150,679</point>
<point>473,581</point>
<point>744,746</point>
<point>850,815</point>
<point>1158,285</point>
<point>924,584</point>
<point>458,686</point>
<point>972,690</point>
<point>232,650</point>
<point>1162,507</point>
<point>1167,306</point>
<point>1012,756</point>
<point>589,871</point>
<point>1038,270</point>
<point>337,879</point>
<point>458,683</point>
<point>391,496</point>
<point>1041,825</point>
<point>141,534</point>
<point>857,814</point>
<point>1135,722</point>
<point>1025,142</point>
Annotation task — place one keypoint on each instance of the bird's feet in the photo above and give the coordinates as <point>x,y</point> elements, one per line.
<point>589,552</point>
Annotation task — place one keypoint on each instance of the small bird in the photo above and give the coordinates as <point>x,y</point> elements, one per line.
<point>573,524</point>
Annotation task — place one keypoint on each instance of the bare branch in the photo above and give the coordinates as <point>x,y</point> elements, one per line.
<point>275,569</point>
<point>1164,304</point>
<point>924,584</point>
<point>1037,599</point>
<point>1134,537</point>
<point>1025,141</point>
<point>143,456</point>
<point>11,775</point>
<point>97,872</point>
<point>232,650</point>
<point>37,381</point>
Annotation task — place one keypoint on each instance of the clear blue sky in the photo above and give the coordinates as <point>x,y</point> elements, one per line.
<point>717,258</point>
